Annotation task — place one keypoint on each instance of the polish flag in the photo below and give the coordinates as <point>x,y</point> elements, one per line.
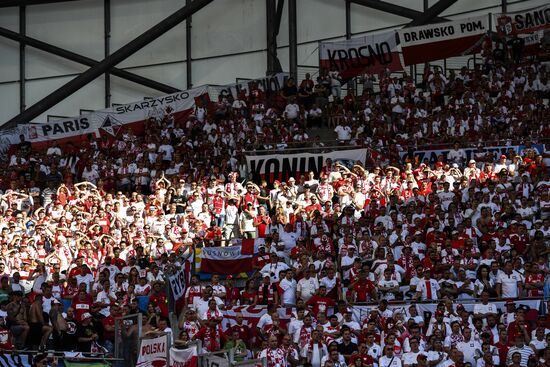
<point>184,357</point>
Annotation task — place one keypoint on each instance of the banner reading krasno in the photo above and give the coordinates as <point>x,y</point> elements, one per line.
<point>355,56</point>
<point>283,166</point>
<point>524,21</point>
<point>442,40</point>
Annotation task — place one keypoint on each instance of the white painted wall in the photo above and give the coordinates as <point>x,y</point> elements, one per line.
<point>222,28</point>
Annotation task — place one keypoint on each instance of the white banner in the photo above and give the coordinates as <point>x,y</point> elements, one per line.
<point>283,166</point>
<point>179,282</point>
<point>15,360</point>
<point>268,84</point>
<point>183,357</point>
<point>214,361</point>
<point>153,352</point>
<point>445,31</point>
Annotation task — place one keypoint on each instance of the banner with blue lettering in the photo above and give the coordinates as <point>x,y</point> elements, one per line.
<point>431,155</point>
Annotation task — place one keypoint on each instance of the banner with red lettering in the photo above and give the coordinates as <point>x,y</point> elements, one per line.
<point>442,40</point>
<point>524,21</point>
<point>153,352</point>
<point>184,357</point>
<point>373,54</point>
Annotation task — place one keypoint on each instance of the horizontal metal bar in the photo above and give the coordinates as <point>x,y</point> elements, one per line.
<point>12,3</point>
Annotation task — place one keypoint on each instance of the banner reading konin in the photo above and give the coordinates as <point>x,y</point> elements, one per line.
<point>283,166</point>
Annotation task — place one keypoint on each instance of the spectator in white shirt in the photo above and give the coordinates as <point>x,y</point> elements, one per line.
<point>343,131</point>
<point>509,282</point>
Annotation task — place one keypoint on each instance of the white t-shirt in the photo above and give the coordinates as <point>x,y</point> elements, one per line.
<point>509,284</point>
<point>289,291</point>
<point>307,288</point>
<point>343,132</point>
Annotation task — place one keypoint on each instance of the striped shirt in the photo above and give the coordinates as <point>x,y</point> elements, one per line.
<point>525,352</point>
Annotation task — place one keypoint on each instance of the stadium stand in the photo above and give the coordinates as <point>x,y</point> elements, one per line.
<point>407,260</point>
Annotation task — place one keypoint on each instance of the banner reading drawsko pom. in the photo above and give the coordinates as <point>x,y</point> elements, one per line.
<point>442,40</point>
<point>355,56</point>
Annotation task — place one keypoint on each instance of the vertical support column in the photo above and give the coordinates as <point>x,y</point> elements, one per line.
<point>504,6</point>
<point>271,45</point>
<point>107,44</point>
<point>22,58</point>
<point>188,52</point>
<point>292,39</point>
<point>348,19</point>
<point>352,82</point>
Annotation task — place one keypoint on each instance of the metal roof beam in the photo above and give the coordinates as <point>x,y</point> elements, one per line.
<point>394,9</point>
<point>109,62</point>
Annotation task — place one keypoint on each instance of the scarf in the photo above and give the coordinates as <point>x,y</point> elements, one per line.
<point>305,335</point>
<point>275,357</point>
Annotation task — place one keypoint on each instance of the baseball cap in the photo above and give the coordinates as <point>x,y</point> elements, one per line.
<point>85,315</point>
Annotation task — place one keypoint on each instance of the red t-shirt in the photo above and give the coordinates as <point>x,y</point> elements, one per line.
<point>81,307</point>
<point>160,302</point>
<point>108,321</point>
<point>320,304</point>
<point>363,290</point>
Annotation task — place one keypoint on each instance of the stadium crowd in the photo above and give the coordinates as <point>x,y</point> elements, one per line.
<point>88,231</point>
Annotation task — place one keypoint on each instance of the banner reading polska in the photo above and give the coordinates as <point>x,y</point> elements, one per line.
<point>525,21</point>
<point>355,56</point>
<point>442,40</point>
<point>283,166</point>
<point>153,352</point>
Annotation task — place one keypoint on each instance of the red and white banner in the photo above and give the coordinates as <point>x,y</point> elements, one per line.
<point>184,357</point>
<point>153,352</point>
<point>252,314</point>
<point>226,260</point>
<point>110,122</point>
<point>525,21</point>
<point>355,56</point>
<point>361,313</point>
<point>442,40</point>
